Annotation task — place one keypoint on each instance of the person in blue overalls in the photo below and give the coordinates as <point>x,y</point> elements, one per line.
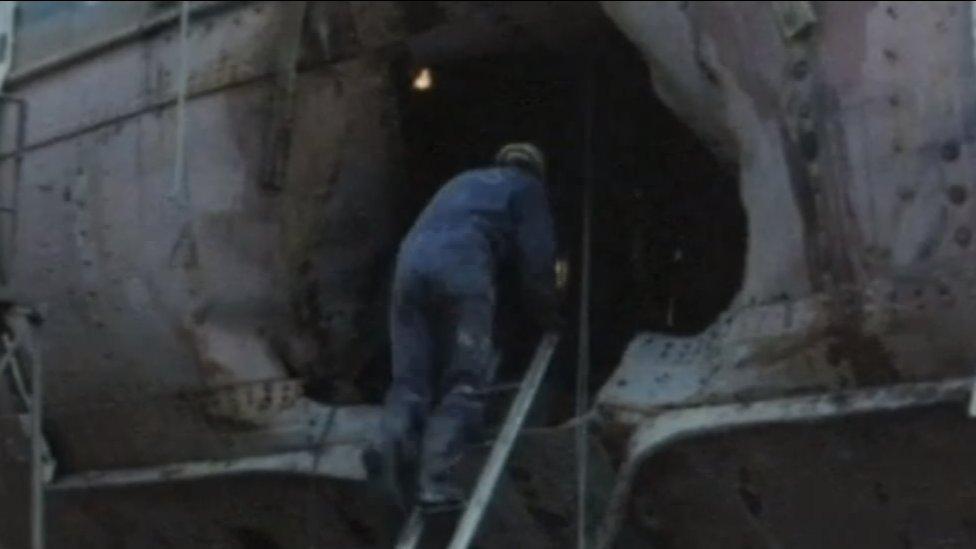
<point>444,304</point>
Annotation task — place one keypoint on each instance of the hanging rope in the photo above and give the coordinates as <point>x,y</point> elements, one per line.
<point>178,189</point>
<point>583,352</point>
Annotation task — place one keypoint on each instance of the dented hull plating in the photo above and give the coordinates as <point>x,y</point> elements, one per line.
<point>854,141</point>
<point>179,333</point>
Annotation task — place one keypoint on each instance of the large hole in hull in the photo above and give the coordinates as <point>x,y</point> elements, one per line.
<point>668,227</point>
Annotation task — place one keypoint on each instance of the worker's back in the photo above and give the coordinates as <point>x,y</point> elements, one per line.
<point>474,220</point>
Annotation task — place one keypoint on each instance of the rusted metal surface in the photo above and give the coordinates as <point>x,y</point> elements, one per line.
<point>32,65</point>
<point>852,132</point>
<point>654,433</point>
<point>854,149</point>
<point>873,481</point>
<point>228,46</point>
<point>150,297</point>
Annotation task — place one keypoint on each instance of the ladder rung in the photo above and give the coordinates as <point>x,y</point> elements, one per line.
<point>484,488</point>
<point>500,388</point>
<point>474,510</point>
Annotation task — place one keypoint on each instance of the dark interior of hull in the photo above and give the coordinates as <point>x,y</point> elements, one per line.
<point>668,237</point>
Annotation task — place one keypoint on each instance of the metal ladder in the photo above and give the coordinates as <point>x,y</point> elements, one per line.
<point>15,344</point>
<point>474,509</point>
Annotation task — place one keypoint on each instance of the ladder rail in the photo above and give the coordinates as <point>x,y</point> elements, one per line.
<point>37,448</point>
<point>22,338</point>
<point>491,472</point>
<point>410,536</point>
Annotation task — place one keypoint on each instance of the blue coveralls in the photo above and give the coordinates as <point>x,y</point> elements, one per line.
<point>443,308</point>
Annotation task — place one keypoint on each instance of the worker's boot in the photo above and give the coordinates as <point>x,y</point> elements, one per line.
<point>436,484</point>
<point>387,468</point>
<point>445,438</point>
<point>440,495</point>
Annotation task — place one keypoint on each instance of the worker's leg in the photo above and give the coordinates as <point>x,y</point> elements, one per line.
<point>409,399</point>
<point>468,370</point>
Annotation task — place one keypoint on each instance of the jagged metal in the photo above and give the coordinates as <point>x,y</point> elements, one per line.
<point>852,128</point>
<point>856,179</point>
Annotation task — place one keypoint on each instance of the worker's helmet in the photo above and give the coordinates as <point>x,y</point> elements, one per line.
<point>523,155</point>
